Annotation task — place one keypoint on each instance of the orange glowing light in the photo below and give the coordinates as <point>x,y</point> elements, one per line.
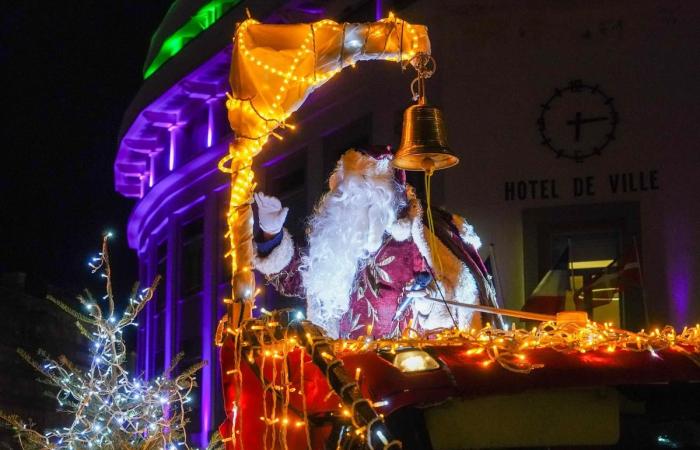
<point>474,351</point>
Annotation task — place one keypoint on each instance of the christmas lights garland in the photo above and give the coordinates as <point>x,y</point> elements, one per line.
<point>508,347</point>
<point>274,337</point>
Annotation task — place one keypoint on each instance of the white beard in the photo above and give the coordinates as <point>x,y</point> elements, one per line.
<point>347,227</point>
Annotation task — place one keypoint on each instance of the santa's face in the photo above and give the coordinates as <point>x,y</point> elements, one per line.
<point>348,225</point>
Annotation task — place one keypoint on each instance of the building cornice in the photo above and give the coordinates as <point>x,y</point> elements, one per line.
<point>175,193</point>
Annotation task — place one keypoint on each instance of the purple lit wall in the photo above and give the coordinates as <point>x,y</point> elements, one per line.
<point>378,10</point>
<point>679,268</point>
<point>168,158</point>
<point>173,205</point>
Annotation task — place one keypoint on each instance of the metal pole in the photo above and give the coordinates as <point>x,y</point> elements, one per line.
<point>492,247</point>
<point>641,281</point>
<point>570,263</point>
<point>498,311</point>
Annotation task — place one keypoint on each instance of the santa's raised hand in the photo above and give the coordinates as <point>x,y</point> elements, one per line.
<point>271,214</point>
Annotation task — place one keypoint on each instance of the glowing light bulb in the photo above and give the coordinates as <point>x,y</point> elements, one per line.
<point>415,361</point>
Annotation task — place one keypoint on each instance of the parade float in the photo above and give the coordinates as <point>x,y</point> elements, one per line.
<point>287,384</point>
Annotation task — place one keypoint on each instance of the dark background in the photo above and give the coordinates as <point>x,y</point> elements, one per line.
<point>69,71</point>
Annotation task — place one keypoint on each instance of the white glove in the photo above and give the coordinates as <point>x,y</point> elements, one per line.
<point>420,304</point>
<point>271,214</point>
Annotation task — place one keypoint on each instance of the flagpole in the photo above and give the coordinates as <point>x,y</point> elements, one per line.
<point>641,281</point>
<point>492,248</point>
<point>570,263</point>
<point>621,292</point>
<point>560,317</point>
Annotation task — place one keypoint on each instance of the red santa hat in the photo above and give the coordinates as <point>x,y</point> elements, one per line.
<point>374,160</point>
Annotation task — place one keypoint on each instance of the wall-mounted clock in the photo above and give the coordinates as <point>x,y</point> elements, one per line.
<point>577,121</point>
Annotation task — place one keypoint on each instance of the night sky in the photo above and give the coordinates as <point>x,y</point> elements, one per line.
<point>70,69</point>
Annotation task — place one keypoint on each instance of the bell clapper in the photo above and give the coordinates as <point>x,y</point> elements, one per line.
<point>428,166</point>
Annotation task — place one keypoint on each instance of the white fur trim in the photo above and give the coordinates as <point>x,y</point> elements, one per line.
<point>278,258</point>
<point>401,229</point>
<point>455,281</point>
<point>466,232</point>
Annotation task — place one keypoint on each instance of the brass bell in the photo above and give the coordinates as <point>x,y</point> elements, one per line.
<point>423,139</point>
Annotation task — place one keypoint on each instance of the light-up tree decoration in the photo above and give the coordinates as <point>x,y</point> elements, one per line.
<point>110,408</point>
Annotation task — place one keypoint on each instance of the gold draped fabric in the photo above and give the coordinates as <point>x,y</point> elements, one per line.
<point>274,68</point>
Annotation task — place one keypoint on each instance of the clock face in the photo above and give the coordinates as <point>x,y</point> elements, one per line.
<point>577,121</point>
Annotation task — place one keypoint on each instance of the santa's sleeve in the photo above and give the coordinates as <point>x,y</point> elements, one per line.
<point>421,306</point>
<point>452,281</point>
<point>279,260</point>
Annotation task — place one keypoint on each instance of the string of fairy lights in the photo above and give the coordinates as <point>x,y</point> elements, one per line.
<point>308,48</point>
<point>110,408</point>
<point>261,121</point>
<point>266,343</point>
<point>510,347</point>
<point>269,340</point>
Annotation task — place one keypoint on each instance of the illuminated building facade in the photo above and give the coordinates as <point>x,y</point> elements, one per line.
<point>575,124</point>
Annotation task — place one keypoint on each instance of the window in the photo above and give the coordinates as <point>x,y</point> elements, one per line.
<point>356,134</point>
<point>192,353</point>
<point>161,269</point>
<point>287,181</point>
<point>160,346</point>
<point>601,240</point>
<point>191,258</point>
<point>190,333</point>
<point>160,364</point>
<point>590,254</point>
<point>290,182</point>
<point>364,12</point>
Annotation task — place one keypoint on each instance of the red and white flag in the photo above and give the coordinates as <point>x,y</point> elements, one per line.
<point>550,294</point>
<point>631,271</point>
<point>608,284</point>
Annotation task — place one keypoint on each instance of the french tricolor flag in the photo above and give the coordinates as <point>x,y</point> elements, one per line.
<point>550,294</point>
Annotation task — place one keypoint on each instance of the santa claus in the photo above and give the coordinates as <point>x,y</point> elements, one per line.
<point>371,264</point>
